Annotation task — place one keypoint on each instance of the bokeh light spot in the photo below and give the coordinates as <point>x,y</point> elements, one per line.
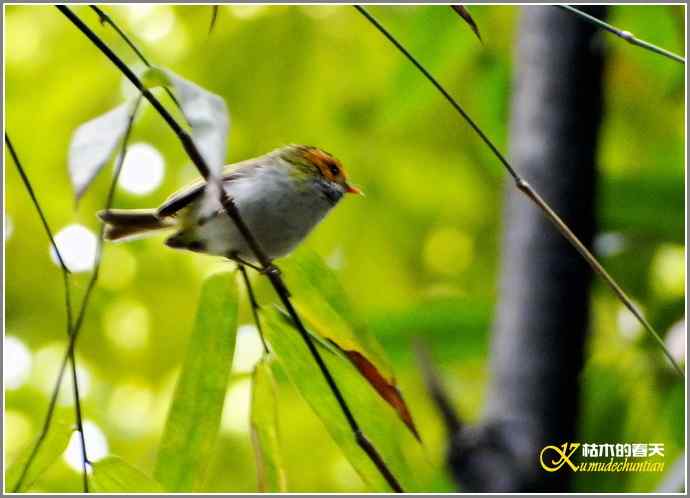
<point>77,245</point>
<point>126,323</point>
<point>17,363</point>
<point>247,11</point>
<point>25,38</point>
<point>157,24</point>
<point>448,251</point>
<point>236,408</point>
<point>17,432</point>
<point>628,326</point>
<point>129,408</point>
<point>609,244</point>
<point>248,349</point>
<point>142,169</point>
<point>96,446</point>
<point>675,341</point>
<point>668,271</point>
<point>7,233</point>
<point>66,396</point>
<point>118,268</point>
<point>46,364</point>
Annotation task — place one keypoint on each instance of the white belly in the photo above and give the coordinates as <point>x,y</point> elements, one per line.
<point>279,216</point>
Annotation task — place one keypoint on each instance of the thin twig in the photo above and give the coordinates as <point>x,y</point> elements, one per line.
<point>625,35</point>
<point>68,309</point>
<point>436,389</point>
<point>74,334</point>
<point>269,269</point>
<point>531,194</point>
<point>254,305</point>
<point>214,18</point>
<point>106,19</point>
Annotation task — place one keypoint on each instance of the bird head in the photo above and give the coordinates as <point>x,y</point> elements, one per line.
<point>322,167</point>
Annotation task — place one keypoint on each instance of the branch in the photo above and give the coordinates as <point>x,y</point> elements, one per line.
<point>436,390</point>
<point>72,359</point>
<point>268,268</point>
<point>254,304</point>
<point>105,19</point>
<point>73,331</point>
<point>524,187</point>
<point>625,35</point>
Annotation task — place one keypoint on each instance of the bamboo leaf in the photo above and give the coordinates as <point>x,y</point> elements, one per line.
<point>380,424</point>
<point>205,112</point>
<point>324,306</point>
<point>264,426</point>
<point>113,475</point>
<point>194,418</point>
<point>93,144</point>
<point>53,446</point>
<point>465,15</point>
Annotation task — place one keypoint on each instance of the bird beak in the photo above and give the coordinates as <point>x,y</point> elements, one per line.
<point>353,190</point>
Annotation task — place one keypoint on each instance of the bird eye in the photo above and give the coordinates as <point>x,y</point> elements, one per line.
<point>334,170</point>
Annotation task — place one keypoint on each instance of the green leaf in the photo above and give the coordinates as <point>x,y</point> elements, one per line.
<point>113,474</point>
<point>377,419</point>
<point>93,143</point>
<point>324,307</point>
<point>53,446</point>
<point>264,426</point>
<point>194,419</point>
<point>205,112</point>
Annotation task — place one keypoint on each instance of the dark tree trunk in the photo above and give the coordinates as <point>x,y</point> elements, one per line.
<point>543,310</point>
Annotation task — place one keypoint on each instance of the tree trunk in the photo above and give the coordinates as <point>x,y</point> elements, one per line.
<point>543,309</point>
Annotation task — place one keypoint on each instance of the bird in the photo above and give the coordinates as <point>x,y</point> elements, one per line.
<point>281,196</point>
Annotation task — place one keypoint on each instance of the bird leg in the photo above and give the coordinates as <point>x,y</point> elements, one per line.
<point>255,305</point>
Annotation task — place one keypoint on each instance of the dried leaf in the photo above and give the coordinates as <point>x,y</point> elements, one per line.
<point>323,305</point>
<point>400,451</point>
<point>464,13</point>
<point>93,143</point>
<point>388,390</point>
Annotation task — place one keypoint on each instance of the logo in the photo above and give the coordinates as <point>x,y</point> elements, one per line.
<point>621,457</point>
<point>564,452</point>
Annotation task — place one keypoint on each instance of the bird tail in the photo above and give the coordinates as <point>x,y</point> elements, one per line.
<point>122,224</point>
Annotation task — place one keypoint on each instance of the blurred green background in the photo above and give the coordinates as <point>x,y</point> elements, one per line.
<point>418,255</point>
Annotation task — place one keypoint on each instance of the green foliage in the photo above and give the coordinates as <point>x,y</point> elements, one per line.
<point>205,112</point>
<point>54,444</point>
<point>377,419</point>
<point>114,475</point>
<point>264,428</point>
<point>194,417</point>
<point>94,143</point>
<point>417,257</point>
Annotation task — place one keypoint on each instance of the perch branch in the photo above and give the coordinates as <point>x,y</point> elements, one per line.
<point>524,187</point>
<point>254,305</point>
<point>76,327</point>
<point>625,35</point>
<point>269,269</point>
<point>106,19</point>
<point>70,356</point>
<point>436,390</point>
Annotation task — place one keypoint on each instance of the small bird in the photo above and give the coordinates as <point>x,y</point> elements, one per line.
<point>281,197</point>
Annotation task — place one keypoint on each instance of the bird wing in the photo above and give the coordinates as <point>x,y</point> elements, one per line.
<point>185,196</point>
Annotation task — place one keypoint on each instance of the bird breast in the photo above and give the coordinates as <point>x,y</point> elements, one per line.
<point>278,209</point>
